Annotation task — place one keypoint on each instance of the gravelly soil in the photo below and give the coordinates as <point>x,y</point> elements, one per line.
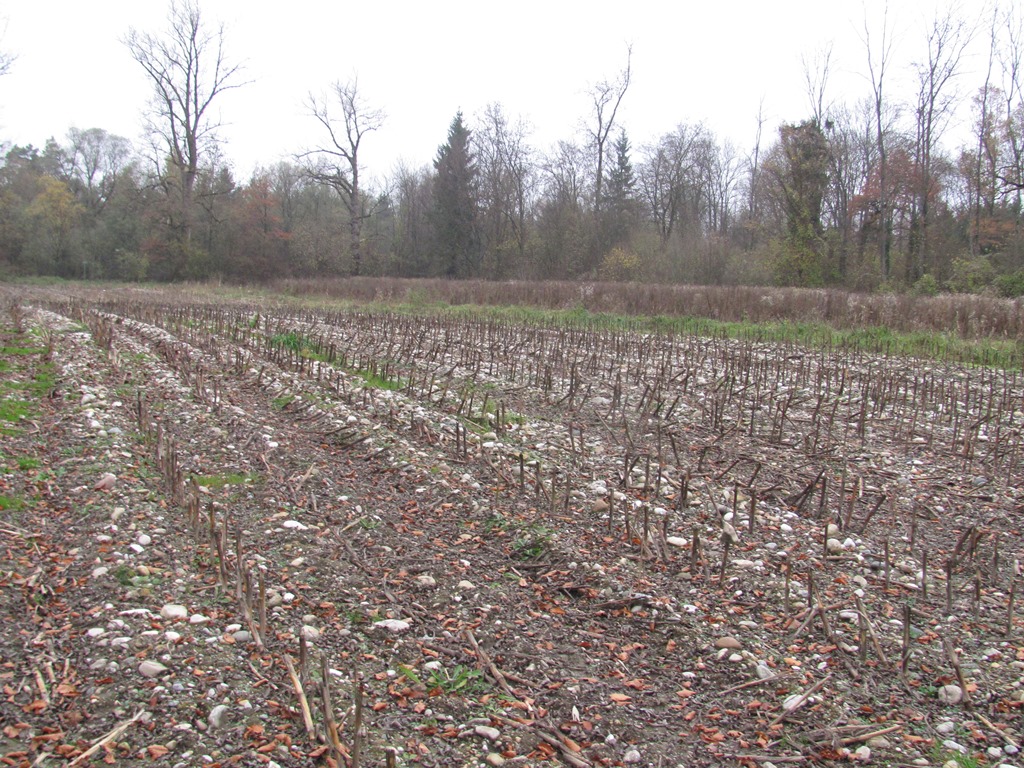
<point>485,535</point>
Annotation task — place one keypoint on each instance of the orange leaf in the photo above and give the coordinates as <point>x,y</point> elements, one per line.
<point>571,745</point>
<point>157,750</point>
<point>620,698</point>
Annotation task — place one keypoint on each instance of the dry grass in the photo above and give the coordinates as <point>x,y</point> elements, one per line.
<point>968,316</point>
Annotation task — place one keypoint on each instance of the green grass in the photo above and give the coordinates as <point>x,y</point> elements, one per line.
<point>282,402</point>
<point>992,352</point>
<point>11,503</point>
<point>26,463</point>
<point>296,342</point>
<point>216,482</point>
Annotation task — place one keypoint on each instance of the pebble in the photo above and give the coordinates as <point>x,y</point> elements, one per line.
<point>150,668</point>
<point>951,694</point>
<point>862,754</point>
<point>489,733</point>
<point>466,585</point>
<point>198,618</point>
<point>95,632</point>
<point>101,571</point>
<point>677,541</point>
<point>426,581</point>
<point>834,546</point>
<point>218,716</point>
<point>954,746</point>
<point>242,636</point>
<point>945,728</point>
<point>632,756</point>
<point>392,625</point>
<point>144,539</point>
<point>493,758</point>
<point>173,611</point>
<point>728,642</point>
<point>312,634</point>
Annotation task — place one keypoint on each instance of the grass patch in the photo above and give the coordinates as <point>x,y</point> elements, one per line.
<point>299,344</point>
<point>11,504</point>
<point>217,482</point>
<point>26,463</point>
<point>282,402</point>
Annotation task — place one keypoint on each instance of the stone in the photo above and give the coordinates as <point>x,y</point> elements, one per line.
<point>173,612</point>
<point>677,541</point>
<point>862,754</point>
<point>466,585</point>
<point>392,625</point>
<point>951,694</point>
<point>728,642</point>
<point>945,728</point>
<point>242,637</point>
<point>955,746</point>
<point>486,731</point>
<point>101,571</point>
<point>632,756</point>
<point>144,539</point>
<point>426,581</point>
<point>312,634</point>
<point>493,758</point>
<point>198,618</point>
<point>834,546</point>
<point>218,717</point>
<point>106,482</point>
<point>150,668</point>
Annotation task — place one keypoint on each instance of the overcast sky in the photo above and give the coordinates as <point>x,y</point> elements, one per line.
<point>712,62</point>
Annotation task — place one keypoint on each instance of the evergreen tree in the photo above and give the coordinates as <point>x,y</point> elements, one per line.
<point>456,228</point>
<point>621,210</point>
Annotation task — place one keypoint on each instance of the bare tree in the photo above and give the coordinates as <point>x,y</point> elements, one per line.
<point>95,161</point>
<point>1011,59</point>
<point>878,63</point>
<point>948,36</point>
<point>607,96</point>
<point>336,163</point>
<point>503,158</point>
<point>188,70</point>
<point>816,74</point>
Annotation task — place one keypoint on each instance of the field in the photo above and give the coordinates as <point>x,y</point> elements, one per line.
<point>244,531</point>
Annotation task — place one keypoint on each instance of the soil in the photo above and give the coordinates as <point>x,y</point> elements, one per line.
<point>267,534</point>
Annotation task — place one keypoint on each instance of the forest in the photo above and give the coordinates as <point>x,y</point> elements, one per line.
<point>864,195</point>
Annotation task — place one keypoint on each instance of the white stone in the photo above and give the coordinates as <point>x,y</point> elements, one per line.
<point>954,746</point>
<point>945,728</point>
<point>632,756</point>
<point>172,636</point>
<point>218,716</point>
<point>678,541</point>
<point>95,632</point>
<point>101,571</point>
<point>198,618</point>
<point>489,733</point>
<point>951,694</point>
<point>294,524</point>
<point>392,625</point>
<point>862,754</point>
<point>173,612</point>
<point>834,546</point>
<point>466,585</point>
<point>426,581</point>
<point>150,668</point>
<point>312,634</point>
<point>144,539</point>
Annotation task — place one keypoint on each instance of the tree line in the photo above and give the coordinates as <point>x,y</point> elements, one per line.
<point>861,195</point>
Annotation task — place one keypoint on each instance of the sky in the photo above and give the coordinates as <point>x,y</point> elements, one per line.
<point>713,62</point>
